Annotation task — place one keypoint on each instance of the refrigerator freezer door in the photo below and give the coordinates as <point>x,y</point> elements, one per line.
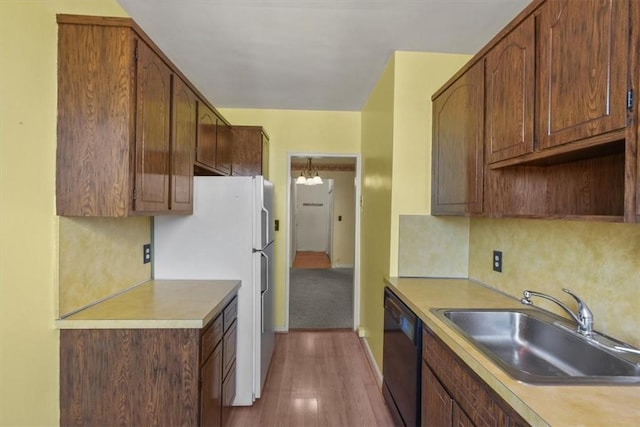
<point>267,335</point>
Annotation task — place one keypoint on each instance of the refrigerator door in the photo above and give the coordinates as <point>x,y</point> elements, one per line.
<point>216,242</point>
<point>266,329</point>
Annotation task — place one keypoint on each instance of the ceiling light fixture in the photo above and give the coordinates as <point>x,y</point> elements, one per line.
<point>309,175</point>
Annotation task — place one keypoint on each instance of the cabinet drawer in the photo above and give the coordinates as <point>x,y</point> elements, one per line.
<point>229,349</point>
<point>228,394</point>
<point>230,313</point>
<point>210,338</point>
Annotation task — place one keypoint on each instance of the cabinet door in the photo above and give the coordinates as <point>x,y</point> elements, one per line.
<point>458,145</point>
<point>265,156</point>
<point>510,91</point>
<point>224,147</point>
<point>207,134</point>
<point>153,107</point>
<point>460,419</point>
<point>229,348</point>
<point>228,395</point>
<point>583,59</point>
<point>183,146</point>
<point>248,151</point>
<point>211,390</point>
<point>437,405</point>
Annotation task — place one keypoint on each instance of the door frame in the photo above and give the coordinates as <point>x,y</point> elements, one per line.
<point>356,255</point>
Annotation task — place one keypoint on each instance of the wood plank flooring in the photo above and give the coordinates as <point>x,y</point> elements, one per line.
<point>318,379</point>
<point>311,260</point>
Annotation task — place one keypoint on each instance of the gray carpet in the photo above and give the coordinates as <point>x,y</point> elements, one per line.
<point>320,298</point>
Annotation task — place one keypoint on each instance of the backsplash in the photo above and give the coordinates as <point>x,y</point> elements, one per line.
<point>99,257</point>
<point>432,246</point>
<point>598,261</point>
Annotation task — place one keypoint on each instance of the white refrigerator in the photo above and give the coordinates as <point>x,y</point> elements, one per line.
<point>229,236</point>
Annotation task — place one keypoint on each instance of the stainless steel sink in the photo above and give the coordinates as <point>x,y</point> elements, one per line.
<point>534,346</point>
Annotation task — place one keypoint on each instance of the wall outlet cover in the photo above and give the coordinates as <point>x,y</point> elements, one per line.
<point>146,253</point>
<point>497,261</point>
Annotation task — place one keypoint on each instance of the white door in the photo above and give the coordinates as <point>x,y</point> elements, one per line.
<point>312,218</point>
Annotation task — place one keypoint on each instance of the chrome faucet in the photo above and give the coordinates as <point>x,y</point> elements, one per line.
<point>584,318</point>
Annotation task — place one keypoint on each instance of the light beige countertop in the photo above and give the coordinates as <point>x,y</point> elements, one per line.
<point>540,405</point>
<point>157,304</point>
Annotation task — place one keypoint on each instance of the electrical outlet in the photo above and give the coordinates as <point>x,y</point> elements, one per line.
<point>497,261</point>
<point>146,253</point>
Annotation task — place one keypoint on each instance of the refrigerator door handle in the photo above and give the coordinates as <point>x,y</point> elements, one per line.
<point>262,313</point>
<point>265,228</point>
<point>266,276</point>
<point>262,292</point>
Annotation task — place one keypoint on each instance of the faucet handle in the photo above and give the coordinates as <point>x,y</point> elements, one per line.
<point>582,306</point>
<point>584,312</point>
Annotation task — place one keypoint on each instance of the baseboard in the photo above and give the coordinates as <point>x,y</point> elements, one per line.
<point>341,265</point>
<point>280,329</point>
<point>372,361</point>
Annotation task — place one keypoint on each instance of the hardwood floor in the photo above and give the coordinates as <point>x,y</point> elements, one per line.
<point>318,379</point>
<point>311,260</point>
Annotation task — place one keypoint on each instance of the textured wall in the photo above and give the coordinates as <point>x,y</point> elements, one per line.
<point>100,257</point>
<point>598,261</point>
<point>433,246</point>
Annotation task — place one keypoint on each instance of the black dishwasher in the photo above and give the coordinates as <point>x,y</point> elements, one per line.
<point>401,364</point>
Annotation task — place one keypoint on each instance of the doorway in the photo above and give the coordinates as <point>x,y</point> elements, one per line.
<point>322,284</point>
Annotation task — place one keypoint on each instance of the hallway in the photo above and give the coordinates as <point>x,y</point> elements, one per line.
<point>320,379</point>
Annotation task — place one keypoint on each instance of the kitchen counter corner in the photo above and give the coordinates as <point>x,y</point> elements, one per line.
<point>157,304</point>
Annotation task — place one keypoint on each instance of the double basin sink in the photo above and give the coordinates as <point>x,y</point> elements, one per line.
<point>534,346</point>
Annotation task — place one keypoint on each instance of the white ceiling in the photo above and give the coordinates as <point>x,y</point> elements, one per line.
<point>308,54</point>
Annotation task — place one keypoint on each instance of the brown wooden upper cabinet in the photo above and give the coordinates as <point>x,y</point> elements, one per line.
<point>510,94</point>
<point>250,151</point>
<point>183,147</point>
<point>583,66</point>
<point>118,153</point>
<point>207,134</point>
<point>214,147</point>
<point>559,118</point>
<point>224,148</point>
<point>458,145</point>
<point>153,125</point>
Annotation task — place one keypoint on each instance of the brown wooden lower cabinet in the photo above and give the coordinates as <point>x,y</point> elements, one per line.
<point>453,395</point>
<point>229,392</point>
<point>144,377</point>
<point>211,403</point>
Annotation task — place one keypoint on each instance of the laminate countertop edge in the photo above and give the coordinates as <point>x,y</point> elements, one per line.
<point>157,304</point>
<point>539,405</point>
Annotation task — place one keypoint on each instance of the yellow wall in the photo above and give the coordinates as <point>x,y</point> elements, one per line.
<point>344,206</point>
<point>375,214</point>
<point>28,225</point>
<point>396,148</point>
<point>598,261</point>
<point>417,76</point>
<point>296,132</point>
